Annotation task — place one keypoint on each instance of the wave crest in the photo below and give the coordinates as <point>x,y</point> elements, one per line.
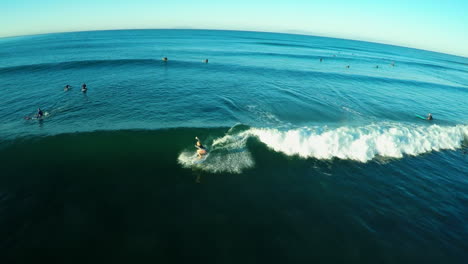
<point>230,153</point>
<point>362,143</point>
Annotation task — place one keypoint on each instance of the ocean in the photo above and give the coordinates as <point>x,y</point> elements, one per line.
<point>315,152</point>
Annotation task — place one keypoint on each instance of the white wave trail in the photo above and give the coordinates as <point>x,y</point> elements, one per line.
<point>226,154</point>
<point>361,143</point>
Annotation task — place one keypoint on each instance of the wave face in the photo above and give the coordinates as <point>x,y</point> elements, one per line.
<point>236,150</point>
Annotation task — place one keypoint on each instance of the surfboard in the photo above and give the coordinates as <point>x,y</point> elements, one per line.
<point>197,160</point>
<point>422,117</point>
<point>46,114</point>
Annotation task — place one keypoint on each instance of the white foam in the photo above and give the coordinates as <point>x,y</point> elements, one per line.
<point>230,154</point>
<point>361,143</point>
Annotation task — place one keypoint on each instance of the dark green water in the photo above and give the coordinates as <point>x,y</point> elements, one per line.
<point>91,200</point>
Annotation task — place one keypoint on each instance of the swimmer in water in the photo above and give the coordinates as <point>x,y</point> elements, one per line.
<point>429,116</point>
<point>164,59</point>
<point>201,150</point>
<point>67,87</point>
<point>83,88</point>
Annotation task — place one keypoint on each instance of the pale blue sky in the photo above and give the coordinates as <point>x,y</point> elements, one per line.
<point>438,25</point>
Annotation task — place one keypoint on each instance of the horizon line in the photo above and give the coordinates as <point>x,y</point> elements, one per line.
<point>289,32</point>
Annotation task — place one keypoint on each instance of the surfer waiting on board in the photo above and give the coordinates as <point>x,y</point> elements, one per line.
<point>67,87</point>
<point>83,88</point>
<point>201,150</point>
<point>39,113</point>
<point>429,116</point>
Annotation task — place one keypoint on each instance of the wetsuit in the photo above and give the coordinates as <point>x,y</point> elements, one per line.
<point>200,147</point>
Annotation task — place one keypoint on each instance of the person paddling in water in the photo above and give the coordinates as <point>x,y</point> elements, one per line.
<point>429,116</point>
<point>84,89</point>
<point>201,150</point>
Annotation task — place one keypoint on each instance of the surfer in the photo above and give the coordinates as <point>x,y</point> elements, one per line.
<point>39,114</point>
<point>164,59</point>
<point>83,88</point>
<point>206,60</point>
<point>67,87</point>
<point>429,116</point>
<point>201,150</point>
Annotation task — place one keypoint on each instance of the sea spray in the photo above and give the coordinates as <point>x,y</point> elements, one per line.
<point>227,154</point>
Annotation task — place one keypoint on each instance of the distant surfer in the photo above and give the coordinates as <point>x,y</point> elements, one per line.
<point>164,59</point>
<point>347,66</point>
<point>206,60</point>
<point>84,89</point>
<point>321,59</point>
<point>429,116</point>
<point>67,87</point>
<point>39,113</point>
<point>201,150</point>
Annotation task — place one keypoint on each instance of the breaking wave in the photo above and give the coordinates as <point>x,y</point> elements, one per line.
<point>361,143</point>
<point>230,153</point>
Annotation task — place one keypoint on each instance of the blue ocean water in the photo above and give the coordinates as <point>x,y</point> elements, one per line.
<point>316,152</point>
